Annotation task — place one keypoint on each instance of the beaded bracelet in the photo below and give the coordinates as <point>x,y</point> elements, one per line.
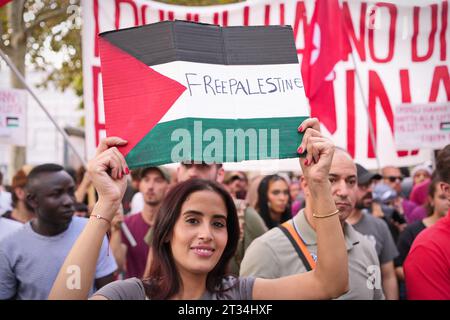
<point>108,233</point>
<point>100,217</point>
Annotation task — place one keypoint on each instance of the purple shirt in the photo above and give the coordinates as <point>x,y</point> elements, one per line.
<point>136,256</point>
<point>419,193</point>
<point>408,207</point>
<point>295,208</point>
<point>418,214</point>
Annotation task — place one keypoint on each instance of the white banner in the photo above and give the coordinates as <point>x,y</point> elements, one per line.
<point>13,115</point>
<point>426,125</point>
<point>401,50</point>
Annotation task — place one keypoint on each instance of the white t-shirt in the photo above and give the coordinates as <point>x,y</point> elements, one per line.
<point>30,262</point>
<point>5,202</point>
<point>137,203</point>
<point>8,226</point>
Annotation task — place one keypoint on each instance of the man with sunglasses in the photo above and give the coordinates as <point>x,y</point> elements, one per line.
<point>427,266</point>
<point>393,177</point>
<point>236,183</point>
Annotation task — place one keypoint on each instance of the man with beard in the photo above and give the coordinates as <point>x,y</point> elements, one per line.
<point>31,257</point>
<point>275,255</point>
<point>153,184</point>
<point>375,230</point>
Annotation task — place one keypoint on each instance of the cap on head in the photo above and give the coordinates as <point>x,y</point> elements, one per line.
<point>365,176</point>
<point>382,193</point>
<point>163,171</point>
<point>421,167</point>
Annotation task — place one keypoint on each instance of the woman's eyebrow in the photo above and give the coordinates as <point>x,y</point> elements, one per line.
<point>198,213</point>
<point>220,216</point>
<point>194,212</point>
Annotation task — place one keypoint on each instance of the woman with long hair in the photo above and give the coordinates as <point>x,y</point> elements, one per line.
<point>274,204</point>
<point>196,232</point>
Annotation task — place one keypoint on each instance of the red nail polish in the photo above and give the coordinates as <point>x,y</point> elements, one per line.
<point>300,150</point>
<point>306,162</point>
<point>300,129</point>
<point>127,171</point>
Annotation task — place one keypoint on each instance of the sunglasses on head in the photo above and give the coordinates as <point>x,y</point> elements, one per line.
<point>393,178</point>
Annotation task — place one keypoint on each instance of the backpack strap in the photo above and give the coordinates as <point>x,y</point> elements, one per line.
<point>298,244</point>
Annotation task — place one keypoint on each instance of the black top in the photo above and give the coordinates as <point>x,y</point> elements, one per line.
<point>405,241</point>
<point>8,215</point>
<point>168,41</point>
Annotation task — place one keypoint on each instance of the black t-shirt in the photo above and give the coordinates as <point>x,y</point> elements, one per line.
<point>8,215</point>
<point>405,241</point>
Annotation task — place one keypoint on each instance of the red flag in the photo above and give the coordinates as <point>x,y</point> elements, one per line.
<point>326,43</point>
<point>3,2</point>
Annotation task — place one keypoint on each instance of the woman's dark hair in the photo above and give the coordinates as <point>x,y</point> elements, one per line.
<point>164,280</point>
<point>443,164</point>
<point>431,192</point>
<point>18,181</point>
<point>262,204</point>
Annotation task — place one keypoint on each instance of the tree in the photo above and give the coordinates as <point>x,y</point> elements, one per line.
<point>32,32</point>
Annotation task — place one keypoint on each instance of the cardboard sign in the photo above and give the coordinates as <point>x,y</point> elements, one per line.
<point>13,115</point>
<point>183,91</point>
<point>425,125</point>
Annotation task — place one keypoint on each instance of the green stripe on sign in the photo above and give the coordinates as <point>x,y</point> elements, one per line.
<point>217,140</point>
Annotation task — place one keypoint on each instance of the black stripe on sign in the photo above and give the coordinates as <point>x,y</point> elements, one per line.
<point>169,41</point>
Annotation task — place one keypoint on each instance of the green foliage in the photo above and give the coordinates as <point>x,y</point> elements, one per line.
<point>53,39</point>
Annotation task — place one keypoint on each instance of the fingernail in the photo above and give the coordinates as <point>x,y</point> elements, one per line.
<point>306,162</point>
<point>120,175</point>
<point>300,150</point>
<point>300,129</point>
<point>127,171</point>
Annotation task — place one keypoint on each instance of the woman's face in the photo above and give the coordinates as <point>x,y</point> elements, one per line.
<point>278,195</point>
<point>421,176</point>
<point>440,203</point>
<point>200,233</point>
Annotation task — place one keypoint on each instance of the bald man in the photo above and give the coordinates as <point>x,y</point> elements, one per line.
<point>273,255</point>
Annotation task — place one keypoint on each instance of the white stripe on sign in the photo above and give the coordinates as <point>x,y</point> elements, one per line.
<point>236,92</point>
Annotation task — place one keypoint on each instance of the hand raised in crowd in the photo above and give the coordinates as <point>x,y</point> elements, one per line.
<point>319,151</point>
<point>108,172</point>
<point>117,220</point>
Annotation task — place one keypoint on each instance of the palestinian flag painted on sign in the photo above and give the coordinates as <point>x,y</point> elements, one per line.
<point>183,91</point>
<point>4,2</point>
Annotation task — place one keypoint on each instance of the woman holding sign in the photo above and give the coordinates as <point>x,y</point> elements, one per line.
<point>196,232</point>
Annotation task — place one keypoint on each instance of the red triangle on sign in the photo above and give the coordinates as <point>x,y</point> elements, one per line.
<point>3,2</point>
<point>136,97</point>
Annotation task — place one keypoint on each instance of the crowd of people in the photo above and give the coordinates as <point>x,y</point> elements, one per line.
<point>332,230</point>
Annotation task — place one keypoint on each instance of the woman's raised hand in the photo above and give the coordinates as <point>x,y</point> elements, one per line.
<point>108,172</point>
<point>319,152</point>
